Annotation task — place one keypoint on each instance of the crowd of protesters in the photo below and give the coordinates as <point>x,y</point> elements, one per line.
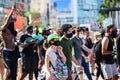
<point>26,53</point>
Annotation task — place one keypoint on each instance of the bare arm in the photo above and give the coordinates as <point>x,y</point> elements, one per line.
<point>105,42</point>
<point>74,60</point>
<point>47,61</point>
<point>7,22</point>
<point>83,55</point>
<point>27,44</point>
<point>86,49</point>
<point>40,52</point>
<point>76,63</point>
<point>61,52</point>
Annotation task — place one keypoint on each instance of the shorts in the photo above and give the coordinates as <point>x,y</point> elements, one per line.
<point>28,64</point>
<point>109,70</point>
<point>10,61</point>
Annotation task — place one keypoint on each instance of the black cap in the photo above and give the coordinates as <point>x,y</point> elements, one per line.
<point>30,28</point>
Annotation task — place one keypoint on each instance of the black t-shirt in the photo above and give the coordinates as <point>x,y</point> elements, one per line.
<point>88,44</point>
<point>39,43</point>
<point>97,50</point>
<point>27,51</point>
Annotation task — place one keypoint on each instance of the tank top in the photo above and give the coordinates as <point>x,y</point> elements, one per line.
<point>109,59</point>
<point>110,45</point>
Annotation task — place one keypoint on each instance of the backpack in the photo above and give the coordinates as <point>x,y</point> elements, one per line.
<point>60,70</point>
<point>97,50</point>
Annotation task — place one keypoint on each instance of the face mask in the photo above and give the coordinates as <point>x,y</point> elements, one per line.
<point>106,34</point>
<point>99,38</point>
<point>56,43</point>
<point>84,36</point>
<point>69,35</point>
<point>80,35</point>
<point>114,34</point>
<point>51,31</point>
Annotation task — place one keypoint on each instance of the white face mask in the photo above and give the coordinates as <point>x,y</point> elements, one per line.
<point>84,36</point>
<point>99,38</point>
<point>106,34</point>
<point>80,35</point>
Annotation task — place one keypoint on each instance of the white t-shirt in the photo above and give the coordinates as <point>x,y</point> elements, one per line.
<point>52,55</point>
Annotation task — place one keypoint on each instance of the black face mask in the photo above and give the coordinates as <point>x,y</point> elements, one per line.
<point>114,34</point>
<point>56,43</point>
<point>69,35</point>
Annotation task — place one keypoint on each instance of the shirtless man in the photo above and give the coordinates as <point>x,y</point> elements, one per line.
<point>1,62</point>
<point>9,54</point>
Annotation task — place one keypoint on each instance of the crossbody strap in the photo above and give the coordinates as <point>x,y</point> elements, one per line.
<point>58,56</point>
<point>57,53</point>
<point>52,65</point>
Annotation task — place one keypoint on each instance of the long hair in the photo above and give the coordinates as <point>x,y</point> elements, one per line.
<point>46,45</point>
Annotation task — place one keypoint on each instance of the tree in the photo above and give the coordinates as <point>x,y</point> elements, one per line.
<point>107,4</point>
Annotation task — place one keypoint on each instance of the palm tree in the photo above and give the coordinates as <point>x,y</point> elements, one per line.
<point>105,13</point>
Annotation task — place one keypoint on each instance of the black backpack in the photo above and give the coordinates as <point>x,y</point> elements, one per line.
<point>97,50</point>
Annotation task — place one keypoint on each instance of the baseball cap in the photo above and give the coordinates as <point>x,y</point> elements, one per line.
<point>97,33</point>
<point>52,36</point>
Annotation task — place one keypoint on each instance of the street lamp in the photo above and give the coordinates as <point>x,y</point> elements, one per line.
<point>48,16</point>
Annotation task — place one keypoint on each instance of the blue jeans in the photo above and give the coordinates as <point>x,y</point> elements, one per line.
<point>86,69</point>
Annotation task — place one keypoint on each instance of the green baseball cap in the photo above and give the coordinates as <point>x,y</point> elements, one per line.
<point>97,33</point>
<point>52,36</point>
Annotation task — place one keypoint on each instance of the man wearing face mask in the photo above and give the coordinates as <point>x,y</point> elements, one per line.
<point>88,43</point>
<point>67,44</point>
<point>77,45</point>
<point>109,67</point>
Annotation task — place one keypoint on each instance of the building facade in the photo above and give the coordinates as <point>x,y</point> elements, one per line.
<point>82,12</point>
<point>87,11</point>
<point>9,3</point>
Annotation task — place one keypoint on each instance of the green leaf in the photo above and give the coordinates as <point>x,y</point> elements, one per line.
<point>100,18</point>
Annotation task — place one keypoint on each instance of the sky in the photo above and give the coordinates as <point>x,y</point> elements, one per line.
<point>61,4</point>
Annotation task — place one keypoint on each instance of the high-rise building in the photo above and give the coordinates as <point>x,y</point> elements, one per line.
<point>86,11</point>
<point>81,12</point>
<point>2,3</point>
